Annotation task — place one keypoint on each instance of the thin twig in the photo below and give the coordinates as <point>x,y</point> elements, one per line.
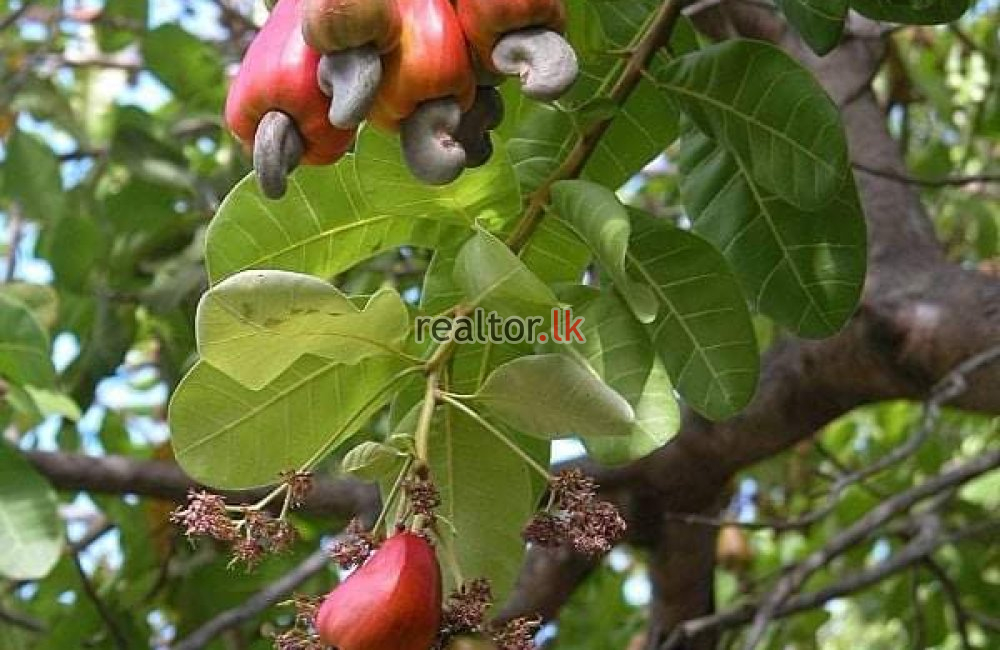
<point>22,621</point>
<point>946,390</point>
<point>859,531</point>
<point>15,230</point>
<point>921,547</point>
<point>15,15</point>
<point>954,597</point>
<point>948,181</point>
<point>257,604</point>
<point>102,609</point>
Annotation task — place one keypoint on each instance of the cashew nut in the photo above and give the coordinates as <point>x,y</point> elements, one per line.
<point>277,151</point>
<point>351,78</point>
<point>473,133</point>
<point>544,60</point>
<point>430,147</point>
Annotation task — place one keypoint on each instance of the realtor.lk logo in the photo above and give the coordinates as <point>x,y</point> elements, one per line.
<point>489,327</point>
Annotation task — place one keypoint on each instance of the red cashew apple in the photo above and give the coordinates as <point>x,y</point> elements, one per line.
<point>428,83</point>
<point>352,34</point>
<point>275,104</point>
<point>522,38</point>
<point>393,602</point>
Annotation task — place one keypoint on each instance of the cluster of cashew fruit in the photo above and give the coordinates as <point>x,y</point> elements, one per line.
<point>425,69</point>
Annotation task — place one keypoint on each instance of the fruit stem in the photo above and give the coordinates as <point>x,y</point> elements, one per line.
<point>393,495</point>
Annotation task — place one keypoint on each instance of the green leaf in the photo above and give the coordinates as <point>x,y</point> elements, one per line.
<point>819,22</point>
<point>492,277</point>
<point>806,270</point>
<point>42,299</point>
<point>703,334</point>
<point>555,254</point>
<point>230,437</point>
<point>599,218</point>
<point>189,66</point>
<point>540,136</point>
<point>373,461</point>
<point>768,111</point>
<point>619,349</point>
<point>74,248</point>
<point>32,177</point>
<point>256,324</point>
<point>24,346</point>
<point>30,529</point>
<point>120,21</point>
<point>325,225</point>
<point>471,468</point>
<point>51,403</point>
<point>489,195</point>
<point>555,396</point>
<point>913,12</point>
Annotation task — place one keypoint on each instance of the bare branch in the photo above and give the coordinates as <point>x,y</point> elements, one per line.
<point>165,480</point>
<point>256,605</point>
<point>860,530</point>
<point>102,609</point>
<point>950,181</point>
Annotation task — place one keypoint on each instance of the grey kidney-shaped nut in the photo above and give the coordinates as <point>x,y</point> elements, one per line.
<point>544,60</point>
<point>351,79</point>
<point>473,133</point>
<point>430,147</point>
<point>277,151</point>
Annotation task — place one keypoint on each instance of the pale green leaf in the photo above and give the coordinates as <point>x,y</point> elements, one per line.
<point>489,195</point>
<point>618,348</point>
<point>30,529</point>
<point>555,396</point>
<point>325,225</point>
<point>256,324</point>
<point>229,437</point>
<point>24,346</point>
<point>488,494</point>
<point>492,277</point>
<point>373,461</point>
<point>599,218</point>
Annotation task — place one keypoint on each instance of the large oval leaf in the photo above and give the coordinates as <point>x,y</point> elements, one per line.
<point>555,396</point>
<point>256,324</point>
<point>492,277</point>
<point>323,226</point>
<point>230,437</point>
<point>489,195</point>
<point>30,529</point>
<point>703,333</point>
<point>768,111</point>
<point>803,269</point>
<point>24,345</point>
<point>471,468</point>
